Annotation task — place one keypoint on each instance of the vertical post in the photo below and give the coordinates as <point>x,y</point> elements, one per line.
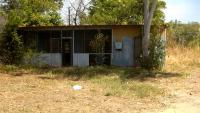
<point>112,46</point>
<point>61,41</point>
<point>50,40</point>
<point>61,49</point>
<point>69,17</point>
<point>37,40</point>
<point>73,48</point>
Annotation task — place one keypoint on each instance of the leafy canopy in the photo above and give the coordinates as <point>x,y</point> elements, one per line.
<point>120,12</point>
<point>32,12</point>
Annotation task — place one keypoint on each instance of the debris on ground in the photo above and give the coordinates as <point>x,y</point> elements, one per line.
<point>77,87</point>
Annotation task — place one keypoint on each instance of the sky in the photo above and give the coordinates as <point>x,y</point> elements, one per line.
<point>181,10</point>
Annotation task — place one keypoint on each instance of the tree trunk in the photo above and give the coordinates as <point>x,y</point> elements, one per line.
<point>148,15</point>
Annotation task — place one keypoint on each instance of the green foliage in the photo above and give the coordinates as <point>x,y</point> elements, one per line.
<point>8,68</point>
<point>120,12</point>
<point>29,55</point>
<point>156,58</point>
<point>2,24</point>
<point>194,42</point>
<point>11,43</point>
<point>184,34</point>
<point>157,52</point>
<point>25,13</point>
<point>113,86</point>
<point>98,46</point>
<point>34,12</point>
<point>13,49</point>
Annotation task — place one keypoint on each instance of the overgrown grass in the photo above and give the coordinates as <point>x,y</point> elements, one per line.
<point>114,81</point>
<point>75,72</point>
<point>118,81</point>
<point>113,86</point>
<point>182,59</point>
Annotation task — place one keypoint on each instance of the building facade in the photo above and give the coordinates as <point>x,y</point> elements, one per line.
<point>70,45</point>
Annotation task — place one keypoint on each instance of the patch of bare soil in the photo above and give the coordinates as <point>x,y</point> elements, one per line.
<point>186,94</point>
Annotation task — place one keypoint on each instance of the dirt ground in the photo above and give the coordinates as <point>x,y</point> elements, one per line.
<point>186,95</point>
<point>33,94</point>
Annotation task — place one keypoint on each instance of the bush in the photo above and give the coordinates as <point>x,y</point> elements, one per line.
<point>29,56</point>
<point>156,58</point>
<point>12,48</point>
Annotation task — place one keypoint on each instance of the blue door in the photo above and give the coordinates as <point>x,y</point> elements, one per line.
<point>125,55</point>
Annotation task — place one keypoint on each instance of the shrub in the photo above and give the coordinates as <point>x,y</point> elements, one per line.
<point>12,48</point>
<point>30,55</point>
<point>156,58</point>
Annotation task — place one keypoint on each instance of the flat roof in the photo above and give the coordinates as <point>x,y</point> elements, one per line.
<point>76,27</point>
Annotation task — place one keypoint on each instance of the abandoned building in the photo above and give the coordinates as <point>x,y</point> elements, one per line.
<point>70,45</point>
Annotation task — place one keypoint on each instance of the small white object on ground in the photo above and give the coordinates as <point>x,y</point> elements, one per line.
<point>77,87</point>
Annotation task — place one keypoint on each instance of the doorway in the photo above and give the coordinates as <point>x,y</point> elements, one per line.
<point>67,52</point>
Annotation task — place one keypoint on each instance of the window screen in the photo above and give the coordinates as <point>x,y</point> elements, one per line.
<point>89,36</point>
<point>82,39</point>
<point>44,41</point>
<point>55,45</point>
<point>79,41</point>
<point>29,39</point>
<point>108,45</point>
<point>49,41</point>
<point>55,34</point>
<point>55,42</point>
<point>67,33</point>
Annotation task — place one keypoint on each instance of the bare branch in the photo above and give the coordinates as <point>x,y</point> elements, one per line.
<point>78,7</point>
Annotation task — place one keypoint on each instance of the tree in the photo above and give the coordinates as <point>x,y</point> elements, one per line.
<point>34,12</point>
<point>13,50</point>
<point>25,13</point>
<point>113,12</point>
<point>120,12</point>
<point>153,44</point>
<point>148,16</point>
<point>78,10</point>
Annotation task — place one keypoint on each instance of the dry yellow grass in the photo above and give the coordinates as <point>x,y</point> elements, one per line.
<point>186,90</point>
<point>33,94</point>
<point>182,59</point>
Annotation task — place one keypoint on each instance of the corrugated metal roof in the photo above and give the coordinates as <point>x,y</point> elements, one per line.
<point>77,27</point>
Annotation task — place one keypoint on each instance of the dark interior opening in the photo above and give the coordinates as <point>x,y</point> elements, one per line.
<point>49,41</point>
<point>29,39</point>
<point>67,52</point>
<point>44,41</point>
<point>79,41</point>
<point>67,33</point>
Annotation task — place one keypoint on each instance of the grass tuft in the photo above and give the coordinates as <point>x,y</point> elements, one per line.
<point>113,86</point>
